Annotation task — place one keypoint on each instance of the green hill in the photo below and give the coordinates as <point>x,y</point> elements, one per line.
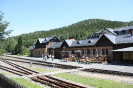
<point>80,30</point>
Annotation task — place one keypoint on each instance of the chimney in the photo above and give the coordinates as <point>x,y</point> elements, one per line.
<point>131,32</point>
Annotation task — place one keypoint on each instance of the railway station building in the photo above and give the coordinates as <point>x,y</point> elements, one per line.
<point>101,43</point>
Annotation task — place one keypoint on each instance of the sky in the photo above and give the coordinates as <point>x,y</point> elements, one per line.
<point>27,16</point>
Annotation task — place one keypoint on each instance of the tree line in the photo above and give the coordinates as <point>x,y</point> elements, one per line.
<point>78,31</point>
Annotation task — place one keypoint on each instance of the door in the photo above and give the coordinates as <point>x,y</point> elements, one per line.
<point>116,57</point>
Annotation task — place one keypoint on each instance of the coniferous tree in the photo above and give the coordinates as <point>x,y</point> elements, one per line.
<point>20,45</point>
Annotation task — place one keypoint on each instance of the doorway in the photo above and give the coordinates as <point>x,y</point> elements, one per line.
<point>116,57</point>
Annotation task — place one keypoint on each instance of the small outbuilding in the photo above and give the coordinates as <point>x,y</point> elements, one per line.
<point>125,54</point>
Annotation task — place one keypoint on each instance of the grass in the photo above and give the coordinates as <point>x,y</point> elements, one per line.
<point>25,55</point>
<point>5,57</point>
<point>4,73</point>
<point>40,69</point>
<point>25,82</point>
<point>100,83</point>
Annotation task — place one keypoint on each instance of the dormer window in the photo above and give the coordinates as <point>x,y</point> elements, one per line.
<point>127,31</point>
<point>117,32</point>
<point>123,32</point>
<point>33,46</point>
<point>97,35</point>
<point>89,41</point>
<point>78,42</point>
<point>64,47</point>
<point>93,36</point>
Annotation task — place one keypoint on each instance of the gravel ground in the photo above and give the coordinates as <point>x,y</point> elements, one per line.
<point>38,66</point>
<point>123,79</point>
<point>75,82</point>
<point>26,64</point>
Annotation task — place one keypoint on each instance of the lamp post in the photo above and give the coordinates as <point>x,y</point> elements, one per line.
<point>53,52</point>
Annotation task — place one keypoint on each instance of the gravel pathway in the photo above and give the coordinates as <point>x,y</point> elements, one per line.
<point>118,67</point>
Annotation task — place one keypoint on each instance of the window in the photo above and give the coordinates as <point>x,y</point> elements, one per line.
<point>93,36</point>
<point>73,52</point>
<point>36,52</point>
<point>88,52</point>
<point>64,47</point>
<point>123,32</point>
<point>107,51</point>
<point>43,52</point>
<point>39,52</point>
<point>97,35</point>
<point>78,42</point>
<point>117,32</point>
<point>94,51</point>
<point>127,31</point>
<point>103,52</point>
<point>89,41</point>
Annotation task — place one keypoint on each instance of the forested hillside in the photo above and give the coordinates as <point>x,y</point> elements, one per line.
<point>80,30</point>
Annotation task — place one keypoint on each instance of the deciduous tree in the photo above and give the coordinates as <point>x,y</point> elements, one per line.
<point>3,26</point>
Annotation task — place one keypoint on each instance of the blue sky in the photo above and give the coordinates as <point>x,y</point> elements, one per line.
<point>27,16</point>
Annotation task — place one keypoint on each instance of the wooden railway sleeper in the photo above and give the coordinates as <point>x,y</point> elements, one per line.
<point>21,67</point>
<point>63,85</point>
<point>64,81</point>
<point>52,81</point>
<point>14,65</point>
<point>47,83</point>
<point>15,70</point>
<point>11,71</point>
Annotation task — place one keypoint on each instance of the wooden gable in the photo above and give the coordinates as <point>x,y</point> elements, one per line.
<point>103,41</point>
<point>64,45</point>
<point>52,41</point>
<point>37,45</point>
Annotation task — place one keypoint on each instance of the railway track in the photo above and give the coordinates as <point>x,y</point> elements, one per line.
<point>44,63</point>
<point>14,71</point>
<point>108,72</point>
<point>55,82</point>
<point>47,80</point>
<point>22,70</point>
<point>50,80</point>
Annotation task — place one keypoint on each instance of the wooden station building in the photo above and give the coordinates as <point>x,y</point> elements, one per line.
<point>100,43</point>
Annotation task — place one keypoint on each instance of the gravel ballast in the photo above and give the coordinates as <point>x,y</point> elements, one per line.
<point>123,79</point>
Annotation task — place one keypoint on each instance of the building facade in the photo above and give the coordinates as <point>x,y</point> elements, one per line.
<point>100,43</point>
<point>41,46</point>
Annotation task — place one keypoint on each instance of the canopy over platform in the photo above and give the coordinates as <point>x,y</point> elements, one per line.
<point>128,49</point>
<point>78,51</point>
<point>66,51</point>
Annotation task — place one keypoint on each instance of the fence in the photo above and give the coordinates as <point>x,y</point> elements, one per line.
<point>8,83</point>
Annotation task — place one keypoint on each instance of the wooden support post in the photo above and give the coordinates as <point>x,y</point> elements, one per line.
<point>119,56</point>
<point>129,57</point>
